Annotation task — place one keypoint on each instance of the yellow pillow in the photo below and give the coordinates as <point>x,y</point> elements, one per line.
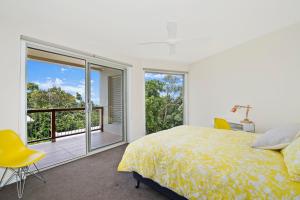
<point>291,156</point>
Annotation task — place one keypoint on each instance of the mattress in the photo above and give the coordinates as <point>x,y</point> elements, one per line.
<point>207,163</point>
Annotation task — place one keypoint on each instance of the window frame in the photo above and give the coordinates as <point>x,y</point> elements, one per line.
<point>185,91</point>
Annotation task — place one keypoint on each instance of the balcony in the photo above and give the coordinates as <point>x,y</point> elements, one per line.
<point>65,143</point>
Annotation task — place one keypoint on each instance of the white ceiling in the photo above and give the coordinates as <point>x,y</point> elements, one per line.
<point>116,27</point>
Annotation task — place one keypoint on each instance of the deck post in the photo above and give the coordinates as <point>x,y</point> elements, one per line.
<point>102,129</point>
<point>53,126</point>
<point>52,132</point>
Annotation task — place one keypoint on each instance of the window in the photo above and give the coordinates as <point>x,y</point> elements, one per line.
<point>164,100</point>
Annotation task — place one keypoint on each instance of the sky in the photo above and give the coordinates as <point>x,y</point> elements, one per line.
<point>68,78</point>
<point>161,76</point>
<point>72,79</point>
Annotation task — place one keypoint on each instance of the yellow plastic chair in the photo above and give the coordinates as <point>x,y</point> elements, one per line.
<point>16,157</point>
<point>221,124</point>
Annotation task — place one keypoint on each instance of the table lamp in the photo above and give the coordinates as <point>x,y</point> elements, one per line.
<point>236,107</point>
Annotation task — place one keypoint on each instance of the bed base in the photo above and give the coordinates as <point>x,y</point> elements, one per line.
<point>157,187</point>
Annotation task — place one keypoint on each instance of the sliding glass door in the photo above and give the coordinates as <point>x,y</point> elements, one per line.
<point>73,106</point>
<point>105,93</point>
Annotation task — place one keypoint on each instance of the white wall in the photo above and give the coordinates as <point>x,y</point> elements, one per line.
<point>10,64</point>
<point>264,72</point>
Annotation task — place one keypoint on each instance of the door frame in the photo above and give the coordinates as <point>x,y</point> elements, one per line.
<point>89,106</point>
<point>29,42</point>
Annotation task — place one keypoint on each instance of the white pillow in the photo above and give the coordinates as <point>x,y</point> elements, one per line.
<point>278,138</point>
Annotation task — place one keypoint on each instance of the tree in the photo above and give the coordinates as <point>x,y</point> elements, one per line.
<point>54,97</point>
<point>32,86</point>
<point>164,104</point>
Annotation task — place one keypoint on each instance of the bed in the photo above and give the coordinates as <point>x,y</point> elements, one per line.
<point>206,163</point>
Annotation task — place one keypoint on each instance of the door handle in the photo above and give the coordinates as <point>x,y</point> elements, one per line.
<point>86,108</point>
<point>89,107</point>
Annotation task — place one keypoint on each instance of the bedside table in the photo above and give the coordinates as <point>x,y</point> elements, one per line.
<point>248,127</point>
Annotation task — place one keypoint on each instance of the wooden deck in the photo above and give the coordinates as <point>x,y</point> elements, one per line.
<point>72,146</point>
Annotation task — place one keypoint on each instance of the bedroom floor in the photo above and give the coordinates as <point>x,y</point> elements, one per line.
<point>93,177</point>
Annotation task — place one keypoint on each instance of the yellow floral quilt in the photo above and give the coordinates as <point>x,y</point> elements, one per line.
<point>207,163</point>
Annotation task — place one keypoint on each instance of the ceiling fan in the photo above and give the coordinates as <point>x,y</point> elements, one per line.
<point>172,40</point>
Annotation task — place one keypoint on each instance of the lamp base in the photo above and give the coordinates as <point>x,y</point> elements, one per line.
<point>246,121</point>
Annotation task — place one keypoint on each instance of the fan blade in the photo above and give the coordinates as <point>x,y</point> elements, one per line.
<point>158,42</point>
<point>172,30</point>
<point>172,49</point>
<point>206,39</point>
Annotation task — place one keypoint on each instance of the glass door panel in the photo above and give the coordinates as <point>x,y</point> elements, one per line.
<point>55,106</point>
<point>106,106</point>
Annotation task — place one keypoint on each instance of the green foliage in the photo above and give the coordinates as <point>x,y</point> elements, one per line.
<point>164,104</point>
<point>40,126</point>
<point>164,108</point>
<point>52,98</point>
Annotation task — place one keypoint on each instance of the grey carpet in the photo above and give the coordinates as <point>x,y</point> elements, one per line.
<point>93,177</point>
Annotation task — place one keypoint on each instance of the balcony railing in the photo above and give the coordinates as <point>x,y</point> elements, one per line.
<point>52,127</point>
